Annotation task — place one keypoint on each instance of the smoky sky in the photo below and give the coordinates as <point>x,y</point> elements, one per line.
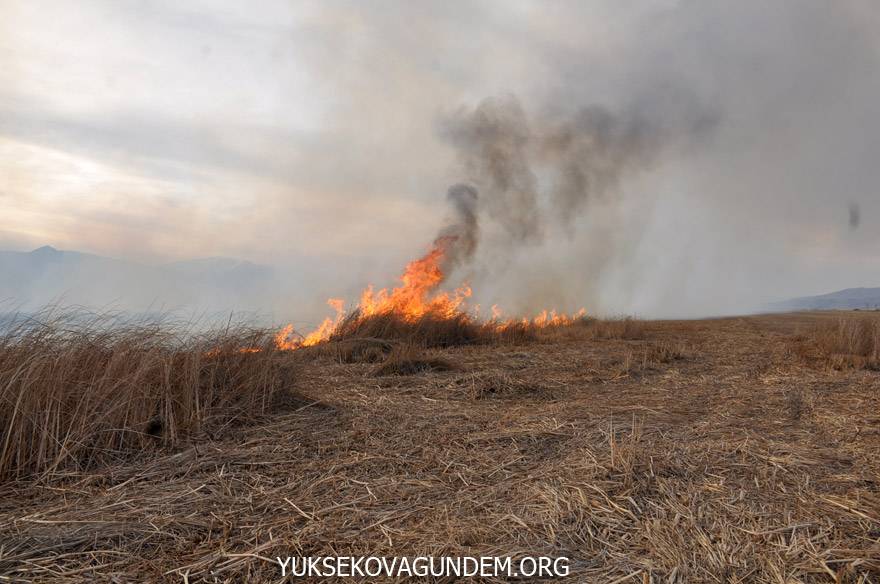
<point>583,157</point>
<point>664,158</point>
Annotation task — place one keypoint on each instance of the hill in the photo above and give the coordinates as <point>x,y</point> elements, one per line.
<point>848,299</point>
<point>47,275</point>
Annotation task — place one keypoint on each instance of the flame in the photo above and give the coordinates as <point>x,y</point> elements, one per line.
<point>551,318</point>
<point>417,296</point>
<point>287,340</point>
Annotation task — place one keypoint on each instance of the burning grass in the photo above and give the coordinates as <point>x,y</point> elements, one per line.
<point>428,330</point>
<point>419,312</point>
<point>77,392</point>
<point>432,330</point>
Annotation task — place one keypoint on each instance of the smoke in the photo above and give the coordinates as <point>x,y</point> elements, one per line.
<point>494,143</point>
<point>855,216</point>
<point>580,158</point>
<point>463,231</point>
<point>664,158</point>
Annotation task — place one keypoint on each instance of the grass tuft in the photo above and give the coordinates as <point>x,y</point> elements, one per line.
<point>431,330</point>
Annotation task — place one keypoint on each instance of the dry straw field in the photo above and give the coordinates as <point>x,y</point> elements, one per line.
<point>730,450</point>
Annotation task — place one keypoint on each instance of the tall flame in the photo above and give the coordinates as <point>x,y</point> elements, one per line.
<point>286,338</point>
<point>416,297</point>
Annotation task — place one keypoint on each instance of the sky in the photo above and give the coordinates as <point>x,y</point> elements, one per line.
<point>321,138</point>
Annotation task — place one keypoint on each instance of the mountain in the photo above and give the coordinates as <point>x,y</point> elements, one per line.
<point>47,275</point>
<point>222,273</point>
<point>848,299</point>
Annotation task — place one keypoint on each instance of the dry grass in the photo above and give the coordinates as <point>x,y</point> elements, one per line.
<point>497,384</point>
<point>77,392</point>
<point>431,331</point>
<point>428,331</point>
<point>462,329</point>
<point>736,463</point>
<point>847,342</point>
<point>665,352</point>
<point>351,350</point>
<point>410,360</point>
<point>639,359</point>
<point>625,328</point>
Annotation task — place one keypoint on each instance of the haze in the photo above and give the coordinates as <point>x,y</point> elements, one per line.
<point>320,138</point>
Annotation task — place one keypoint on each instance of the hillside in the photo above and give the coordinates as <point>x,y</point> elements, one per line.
<point>45,275</point>
<point>848,299</point>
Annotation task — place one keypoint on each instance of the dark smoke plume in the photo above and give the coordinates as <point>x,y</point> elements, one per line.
<point>579,158</point>
<point>494,144</point>
<point>591,153</point>
<point>463,231</point>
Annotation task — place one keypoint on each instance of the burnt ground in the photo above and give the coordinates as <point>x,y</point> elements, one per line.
<point>702,451</point>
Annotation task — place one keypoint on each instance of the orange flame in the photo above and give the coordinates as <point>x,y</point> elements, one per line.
<point>284,341</point>
<point>416,297</point>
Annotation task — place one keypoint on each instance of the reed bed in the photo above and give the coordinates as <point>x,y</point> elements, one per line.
<point>433,330</point>
<point>849,342</point>
<point>77,390</point>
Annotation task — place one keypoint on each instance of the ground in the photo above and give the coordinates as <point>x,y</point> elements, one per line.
<point>701,451</point>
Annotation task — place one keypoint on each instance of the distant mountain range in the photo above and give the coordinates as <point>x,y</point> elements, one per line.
<point>34,279</point>
<point>849,299</point>
<point>48,275</point>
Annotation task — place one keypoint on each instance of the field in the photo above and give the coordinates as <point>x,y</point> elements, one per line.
<point>729,450</point>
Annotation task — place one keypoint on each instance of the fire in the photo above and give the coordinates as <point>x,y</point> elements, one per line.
<point>284,341</point>
<point>416,297</point>
<point>551,318</point>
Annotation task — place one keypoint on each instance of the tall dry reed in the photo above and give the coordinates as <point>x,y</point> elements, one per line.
<point>431,330</point>
<point>846,343</point>
<point>80,390</point>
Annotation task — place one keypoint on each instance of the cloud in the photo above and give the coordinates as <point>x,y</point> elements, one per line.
<point>322,130</point>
